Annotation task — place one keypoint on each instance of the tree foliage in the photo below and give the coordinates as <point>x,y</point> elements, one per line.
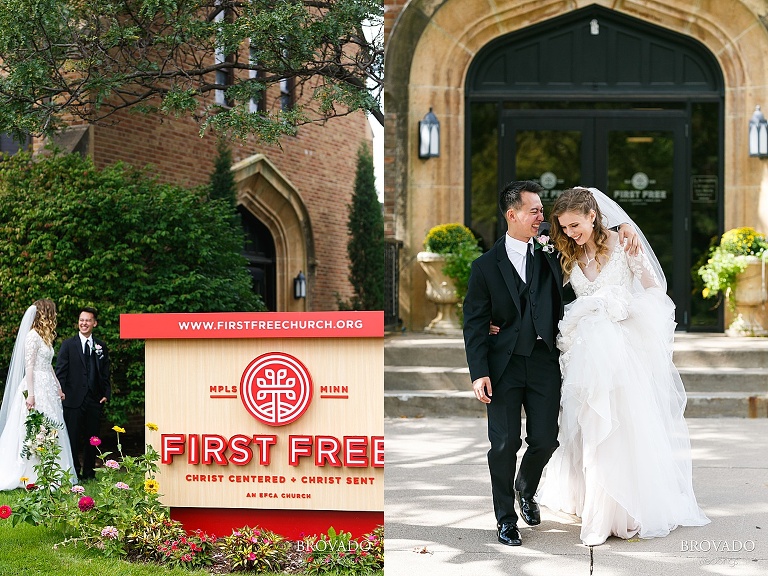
<point>222,181</point>
<point>366,239</point>
<point>89,59</point>
<point>118,240</point>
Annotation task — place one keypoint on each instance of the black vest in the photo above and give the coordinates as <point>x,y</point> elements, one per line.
<point>93,372</point>
<point>527,336</point>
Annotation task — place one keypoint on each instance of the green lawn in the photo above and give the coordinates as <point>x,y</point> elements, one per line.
<point>27,550</point>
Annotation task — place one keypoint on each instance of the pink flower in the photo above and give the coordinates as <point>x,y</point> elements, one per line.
<point>77,489</point>
<point>85,503</point>
<point>251,556</point>
<point>109,532</point>
<point>5,511</point>
<point>186,558</point>
<point>112,464</point>
<point>122,486</point>
<point>95,440</point>
<point>254,540</point>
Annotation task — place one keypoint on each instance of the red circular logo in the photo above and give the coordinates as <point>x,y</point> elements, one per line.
<point>276,388</point>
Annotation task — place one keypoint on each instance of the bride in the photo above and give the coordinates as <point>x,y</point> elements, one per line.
<point>31,372</point>
<point>624,461</point>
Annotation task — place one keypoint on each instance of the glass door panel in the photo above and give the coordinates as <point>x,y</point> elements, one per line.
<point>642,163</point>
<point>640,179</point>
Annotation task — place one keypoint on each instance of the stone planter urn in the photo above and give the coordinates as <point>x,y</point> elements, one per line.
<point>750,296</point>
<point>441,291</point>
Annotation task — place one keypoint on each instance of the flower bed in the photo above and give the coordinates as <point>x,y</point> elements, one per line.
<point>120,515</point>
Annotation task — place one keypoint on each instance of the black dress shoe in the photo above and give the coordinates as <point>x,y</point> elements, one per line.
<point>508,533</point>
<point>529,510</point>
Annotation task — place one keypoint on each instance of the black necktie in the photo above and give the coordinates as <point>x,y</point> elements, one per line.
<point>529,264</point>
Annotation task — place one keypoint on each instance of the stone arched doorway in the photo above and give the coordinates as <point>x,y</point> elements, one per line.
<point>274,207</point>
<point>598,98</point>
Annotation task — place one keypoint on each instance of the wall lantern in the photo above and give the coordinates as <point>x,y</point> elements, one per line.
<point>429,136</point>
<point>300,286</point>
<point>758,134</point>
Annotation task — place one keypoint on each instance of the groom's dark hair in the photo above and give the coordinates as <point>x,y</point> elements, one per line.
<point>511,196</point>
<point>90,310</point>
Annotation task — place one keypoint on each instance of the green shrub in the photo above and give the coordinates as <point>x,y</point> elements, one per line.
<point>446,238</point>
<point>743,241</point>
<point>338,553</point>
<point>149,533</point>
<point>255,549</point>
<point>118,240</point>
<point>365,247</point>
<point>729,259</point>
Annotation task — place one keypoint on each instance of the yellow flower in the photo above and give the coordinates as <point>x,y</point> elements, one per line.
<point>23,479</point>
<point>152,426</point>
<point>151,486</point>
<point>118,429</point>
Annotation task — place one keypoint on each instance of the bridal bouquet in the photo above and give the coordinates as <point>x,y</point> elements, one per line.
<point>42,434</point>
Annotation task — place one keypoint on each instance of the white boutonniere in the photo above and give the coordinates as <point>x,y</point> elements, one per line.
<point>543,244</point>
<point>99,350</point>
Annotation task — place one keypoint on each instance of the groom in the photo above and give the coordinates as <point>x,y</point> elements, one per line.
<point>82,368</point>
<point>518,287</point>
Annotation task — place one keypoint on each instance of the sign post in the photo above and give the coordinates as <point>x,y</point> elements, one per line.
<point>268,419</point>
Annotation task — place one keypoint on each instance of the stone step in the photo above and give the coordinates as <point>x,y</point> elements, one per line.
<point>699,379</point>
<point>407,351</point>
<point>690,350</point>
<point>452,403</point>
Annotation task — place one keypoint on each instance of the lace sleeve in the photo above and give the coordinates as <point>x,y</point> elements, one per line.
<point>31,349</point>
<point>643,271</point>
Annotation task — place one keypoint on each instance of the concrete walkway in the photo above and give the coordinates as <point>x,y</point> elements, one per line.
<point>439,515</point>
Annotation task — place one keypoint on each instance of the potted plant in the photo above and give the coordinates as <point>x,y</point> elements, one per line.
<point>450,249</point>
<point>736,270</point>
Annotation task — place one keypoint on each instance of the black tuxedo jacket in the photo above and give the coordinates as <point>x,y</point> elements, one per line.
<point>73,373</point>
<point>493,297</point>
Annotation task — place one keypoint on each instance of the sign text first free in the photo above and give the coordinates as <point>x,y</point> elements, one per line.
<point>208,449</point>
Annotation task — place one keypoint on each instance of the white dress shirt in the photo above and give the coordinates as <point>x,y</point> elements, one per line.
<point>517,252</point>
<point>83,340</point>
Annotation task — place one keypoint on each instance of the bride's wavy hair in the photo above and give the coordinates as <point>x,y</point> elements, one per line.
<point>45,320</point>
<point>578,201</point>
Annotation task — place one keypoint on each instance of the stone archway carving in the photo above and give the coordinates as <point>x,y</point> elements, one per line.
<point>265,192</point>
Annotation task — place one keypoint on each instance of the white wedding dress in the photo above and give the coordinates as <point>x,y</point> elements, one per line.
<point>37,358</point>
<point>624,462</point>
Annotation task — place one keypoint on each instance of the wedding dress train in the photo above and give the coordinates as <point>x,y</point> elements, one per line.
<point>624,461</point>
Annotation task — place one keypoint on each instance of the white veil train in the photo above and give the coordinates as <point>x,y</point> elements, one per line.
<point>16,370</point>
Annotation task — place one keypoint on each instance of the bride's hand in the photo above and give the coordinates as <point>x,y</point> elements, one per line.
<point>61,393</point>
<point>30,402</point>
